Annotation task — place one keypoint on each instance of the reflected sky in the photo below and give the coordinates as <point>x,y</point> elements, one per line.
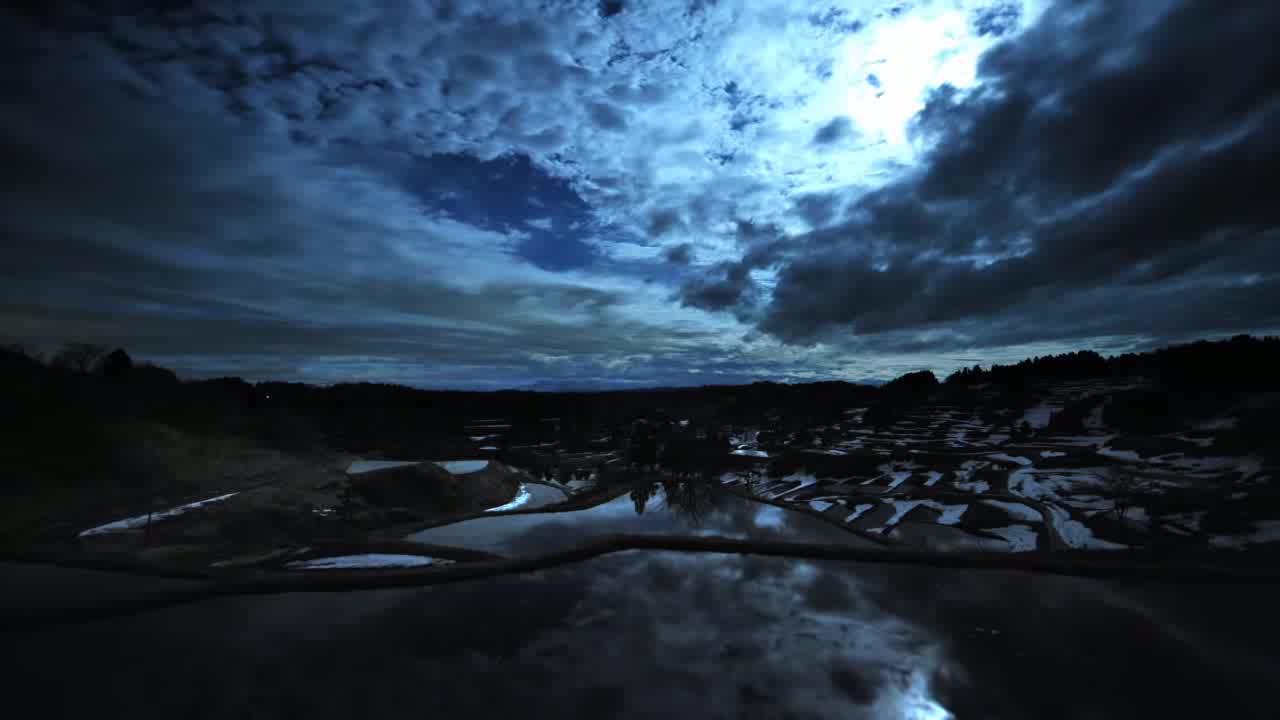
<point>661,635</point>
<point>645,510</point>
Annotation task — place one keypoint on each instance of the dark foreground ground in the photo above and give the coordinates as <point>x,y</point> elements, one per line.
<point>655,635</point>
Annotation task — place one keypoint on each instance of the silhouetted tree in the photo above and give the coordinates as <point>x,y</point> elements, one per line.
<point>1241,363</point>
<point>964,376</point>
<point>1125,488</point>
<point>691,498</point>
<point>912,383</point>
<point>640,494</point>
<point>18,355</point>
<point>1022,430</point>
<point>644,448</point>
<point>116,365</point>
<point>79,357</point>
<point>679,455</point>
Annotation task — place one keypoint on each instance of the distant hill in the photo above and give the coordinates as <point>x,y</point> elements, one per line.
<point>1243,362</point>
<point>53,403</point>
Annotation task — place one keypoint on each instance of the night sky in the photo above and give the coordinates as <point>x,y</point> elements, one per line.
<point>604,194</point>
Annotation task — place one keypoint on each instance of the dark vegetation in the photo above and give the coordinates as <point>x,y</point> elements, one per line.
<point>428,485</point>
<point>899,394</point>
<point>1181,385</point>
<point>1243,363</point>
<point>89,418</point>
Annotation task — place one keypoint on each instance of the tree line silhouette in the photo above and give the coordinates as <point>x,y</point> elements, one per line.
<point>1242,363</point>
<point>59,407</point>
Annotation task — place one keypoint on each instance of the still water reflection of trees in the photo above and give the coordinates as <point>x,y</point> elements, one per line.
<point>693,498</point>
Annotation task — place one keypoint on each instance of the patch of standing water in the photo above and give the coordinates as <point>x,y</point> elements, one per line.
<point>1078,535</point>
<point>977,486</point>
<point>637,512</point>
<point>1126,455</point>
<point>951,514</point>
<point>141,520</point>
<point>363,466</point>
<point>463,467</point>
<point>802,481</point>
<point>366,560</point>
<point>1020,537</point>
<point>858,511</point>
<point>1015,459</point>
<point>1038,416</point>
<point>900,510</point>
<point>529,497</point>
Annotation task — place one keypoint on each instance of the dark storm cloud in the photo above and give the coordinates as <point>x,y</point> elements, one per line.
<point>175,227</point>
<point>662,221</point>
<point>681,254</point>
<point>838,129</point>
<point>757,236</point>
<point>818,209</point>
<point>609,8</point>
<point>470,74</point>
<point>997,18</point>
<point>728,285</point>
<point>608,117</point>
<point>1110,176</point>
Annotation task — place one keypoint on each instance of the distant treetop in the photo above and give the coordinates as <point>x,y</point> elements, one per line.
<point>1243,362</point>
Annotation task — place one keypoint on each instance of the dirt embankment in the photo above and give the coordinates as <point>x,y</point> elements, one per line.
<point>276,497</point>
<point>427,487</point>
<point>147,466</point>
<point>312,502</point>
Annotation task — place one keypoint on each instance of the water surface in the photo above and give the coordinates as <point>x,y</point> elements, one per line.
<point>530,496</point>
<point>646,635</point>
<point>648,512</point>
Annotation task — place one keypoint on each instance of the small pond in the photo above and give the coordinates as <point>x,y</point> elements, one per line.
<point>530,496</point>
<point>366,560</point>
<point>644,511</point>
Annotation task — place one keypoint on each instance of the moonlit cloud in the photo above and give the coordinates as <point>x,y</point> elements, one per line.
<point>652,192</point>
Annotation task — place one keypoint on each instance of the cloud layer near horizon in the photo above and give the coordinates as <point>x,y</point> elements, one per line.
<point>493,194</point>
